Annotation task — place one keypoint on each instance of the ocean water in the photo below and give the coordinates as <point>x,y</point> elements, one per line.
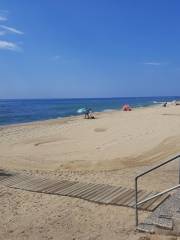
<point>23,111</point>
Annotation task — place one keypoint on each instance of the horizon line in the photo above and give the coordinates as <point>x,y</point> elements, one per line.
<point>66,98</point>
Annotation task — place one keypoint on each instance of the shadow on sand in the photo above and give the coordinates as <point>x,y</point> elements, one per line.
<point>4,173</point>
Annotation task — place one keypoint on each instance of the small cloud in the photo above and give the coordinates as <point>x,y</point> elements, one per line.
<point>2,18</point>
<point>10,30</point>
<point>5,45</point>
<point>2,33</point>
<point>61,59</point>
<point>3,15</point>
<point>57,57</point>
<point>153,63</point>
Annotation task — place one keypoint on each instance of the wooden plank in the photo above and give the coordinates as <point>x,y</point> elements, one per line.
<point>100,193</point>
<point>145,205</point>
<point>94,193</point>
<point>27,184</point>
<point>115,194</point>
<point>54,186</point>
<point>143,195</point>
<point>94,187</point>
<point>107,193</point>
<point>11,182</point>
<point>68,190</point>
<point>64,186</point>
<point>125,198</point>
<point>160,200</point>
<point>25,177</point>
<point>8,180</point>
<point>82,190</point>
<point>115,200</point>
<point>57,186</point>
<point>27,180</point>
<point>140,195</point>
<point>50,184</point>
<point>78,188</point>
<point>110,196</point>
<point>37,185</point>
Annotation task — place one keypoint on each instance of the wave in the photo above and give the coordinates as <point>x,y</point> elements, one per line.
<point>81,110</point>
<point>108,110</point>
<point>158,102</point>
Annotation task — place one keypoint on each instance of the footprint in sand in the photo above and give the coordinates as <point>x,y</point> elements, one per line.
<point>49,141</point>
<point>100,129</point>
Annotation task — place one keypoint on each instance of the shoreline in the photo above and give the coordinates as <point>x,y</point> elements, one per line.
<point>69,118</point>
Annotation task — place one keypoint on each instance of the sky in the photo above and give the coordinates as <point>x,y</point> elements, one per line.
<point>89,48</point>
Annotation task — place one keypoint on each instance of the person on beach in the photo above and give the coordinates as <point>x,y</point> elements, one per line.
<point>165,104</point>
<point>89,114</point>
<point>86,114</point>
<point>126,108</point>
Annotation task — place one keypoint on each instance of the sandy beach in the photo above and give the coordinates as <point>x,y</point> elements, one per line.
<point>110,149</point>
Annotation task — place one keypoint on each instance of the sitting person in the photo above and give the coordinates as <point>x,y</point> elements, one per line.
<point>126,108</point>
<point>164,104</point>
<point>89,114</point>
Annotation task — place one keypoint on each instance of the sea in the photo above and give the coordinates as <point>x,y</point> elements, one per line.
<point>14,111</point>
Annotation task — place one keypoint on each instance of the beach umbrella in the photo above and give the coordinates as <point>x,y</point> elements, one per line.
<point>81,110</point>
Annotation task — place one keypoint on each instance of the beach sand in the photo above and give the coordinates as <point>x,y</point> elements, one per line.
<point>111,149</point>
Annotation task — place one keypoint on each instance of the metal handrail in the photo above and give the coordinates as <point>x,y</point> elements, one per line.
<point>156,195</point>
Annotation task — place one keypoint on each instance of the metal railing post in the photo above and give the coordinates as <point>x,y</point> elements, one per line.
<point>156,195</point>
<point>179,170</point>
<point>136,201</point>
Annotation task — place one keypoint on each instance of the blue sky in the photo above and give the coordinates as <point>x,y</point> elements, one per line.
<point>89,48</point>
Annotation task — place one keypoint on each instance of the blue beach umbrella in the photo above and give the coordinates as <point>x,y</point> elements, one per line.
<point>81,110</point>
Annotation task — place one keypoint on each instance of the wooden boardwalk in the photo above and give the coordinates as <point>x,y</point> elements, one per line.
<point>99,193</point>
